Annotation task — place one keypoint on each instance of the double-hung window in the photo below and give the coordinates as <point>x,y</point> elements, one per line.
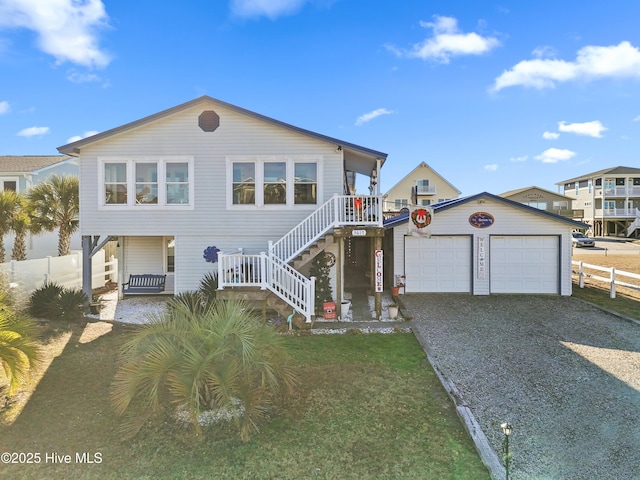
<point>272,181</point>
<point>146,182</point>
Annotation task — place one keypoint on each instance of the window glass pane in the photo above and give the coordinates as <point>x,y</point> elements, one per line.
<point>177,183</point>
<point>115,172</point>
<point>177,172</point>
<point>306,183</point>
<point>146,183</point>
<point>171,255</point>
<point>275,183</point>
<point>146,193</point>
<point>244,187</point>
<point>10,186</point>
<point>115,183</point>
<point>178,193</point>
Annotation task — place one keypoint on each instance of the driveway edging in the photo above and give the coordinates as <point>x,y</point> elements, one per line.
<point>488,456</point>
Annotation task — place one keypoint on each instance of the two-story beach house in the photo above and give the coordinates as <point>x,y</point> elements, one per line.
<point>20,172</point>
<point>610,199</point>
<point>421,186</point>
<point>207,186</point>
<point>546,200</point>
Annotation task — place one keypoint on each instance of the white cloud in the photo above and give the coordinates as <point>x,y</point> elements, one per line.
<point>76,77</point>
<point>33,131</point>
<point>268,8</point>
<point>591,62</point>
<point>637,119</point>
<point>555,155</point>
<point>550,135</point>
<point>591,129</point>
<point>75,138</point>
<point>447,42</point>
<point>4,107</point>
<point>519,159</point>
<point>367,117</point>
<point>491,168</point>
<point>66,29</point>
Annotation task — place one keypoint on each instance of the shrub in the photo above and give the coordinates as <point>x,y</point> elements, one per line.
<point>209,287</point>
<point>42,299</point>
<point>193,301</point>
<point>203,362</point>
<point>54,302</point>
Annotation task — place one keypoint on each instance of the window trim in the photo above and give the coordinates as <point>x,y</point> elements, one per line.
<point>3,180</point>
<point>161,162</point>
<point>259,161</point>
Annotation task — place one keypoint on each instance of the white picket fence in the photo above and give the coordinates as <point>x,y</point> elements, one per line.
<point>612,279</point>
<point>65,271</point>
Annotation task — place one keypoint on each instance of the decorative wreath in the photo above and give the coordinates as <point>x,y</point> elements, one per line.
<point>421,217</point>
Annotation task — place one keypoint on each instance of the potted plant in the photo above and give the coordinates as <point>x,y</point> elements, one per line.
<point>96,304</point>
<point>400,279</point>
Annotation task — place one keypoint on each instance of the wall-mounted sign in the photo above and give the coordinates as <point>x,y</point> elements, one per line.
<point>359,233</point>
<point>481,219</point>
<point>481,258</point>
<point>379,263</point>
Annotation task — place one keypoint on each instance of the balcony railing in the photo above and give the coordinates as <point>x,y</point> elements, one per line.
<point>619,191</point>
<point>616,212</point>
<point>426,190</point>
<point>569,213</point>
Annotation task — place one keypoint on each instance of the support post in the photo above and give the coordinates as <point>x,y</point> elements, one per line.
<point>87,273</point>
<point>377,296</point>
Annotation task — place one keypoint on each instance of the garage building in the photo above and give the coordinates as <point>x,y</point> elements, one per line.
<point>483,244</point>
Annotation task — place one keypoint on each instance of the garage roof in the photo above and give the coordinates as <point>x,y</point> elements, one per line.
<point>404,218</point>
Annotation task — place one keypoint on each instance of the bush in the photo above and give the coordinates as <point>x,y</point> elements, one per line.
<point>193,301</point>
<point>209,287</point>
<point>54,302</point>
<point>203,362</point>
<point>42,298</point>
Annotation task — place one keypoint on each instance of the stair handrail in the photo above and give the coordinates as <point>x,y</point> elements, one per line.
<point>268,272</point>
<point>339,210</point>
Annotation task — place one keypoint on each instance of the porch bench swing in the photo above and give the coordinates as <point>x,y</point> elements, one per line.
<point>146,283</point>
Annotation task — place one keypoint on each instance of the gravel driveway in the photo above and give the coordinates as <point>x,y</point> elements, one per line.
<point>565,374</point>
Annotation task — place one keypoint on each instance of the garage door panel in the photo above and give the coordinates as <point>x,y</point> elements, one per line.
<point>438,264</point>
<point>524,264</point>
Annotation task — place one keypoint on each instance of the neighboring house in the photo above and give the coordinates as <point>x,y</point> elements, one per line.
<point>422,186</point>
<point>546,200</point>
<point>206,173</point>
<point>610,199</point>
<point>19,173</point>
<point>484,244</point>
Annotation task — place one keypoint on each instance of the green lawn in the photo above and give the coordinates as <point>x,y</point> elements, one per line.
<point>624,305</point>
<point>368,406</point>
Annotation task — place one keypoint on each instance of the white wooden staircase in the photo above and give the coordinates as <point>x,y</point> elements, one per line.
<point>635,224</point>
<point>276,269</point>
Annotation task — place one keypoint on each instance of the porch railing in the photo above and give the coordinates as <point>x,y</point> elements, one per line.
<point>272,270</point>
<point>615,212</point>
<point>268,272</point>
<point>339,210</point>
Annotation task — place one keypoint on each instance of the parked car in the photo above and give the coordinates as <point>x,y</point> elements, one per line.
<point>581,240</point>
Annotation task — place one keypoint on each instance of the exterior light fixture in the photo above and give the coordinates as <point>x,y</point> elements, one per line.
<point>506,429</point>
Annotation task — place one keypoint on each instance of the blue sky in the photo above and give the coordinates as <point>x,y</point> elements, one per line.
<point>493,95</point>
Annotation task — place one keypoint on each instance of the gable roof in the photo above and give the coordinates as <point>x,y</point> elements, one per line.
<point>606,171</point>
<point>356,152</point>
<point>521,190</point>
<point>20,164</point>
<point>423,164</point>
<point>442,206</point>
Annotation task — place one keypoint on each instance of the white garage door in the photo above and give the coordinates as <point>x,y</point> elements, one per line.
<point>438,264</point>
<point>524,264</point>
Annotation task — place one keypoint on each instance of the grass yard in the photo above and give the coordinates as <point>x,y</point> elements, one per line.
<point>368,406</point>
<point>627,301</point>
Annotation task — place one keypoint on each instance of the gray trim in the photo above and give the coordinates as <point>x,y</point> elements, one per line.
<point>74,147</point>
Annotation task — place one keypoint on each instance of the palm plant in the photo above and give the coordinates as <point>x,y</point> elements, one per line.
<point>56,204</point>
<point>18,348</point>
<point>8,205</point>
<point>20,224</point>
<point>207,361</point>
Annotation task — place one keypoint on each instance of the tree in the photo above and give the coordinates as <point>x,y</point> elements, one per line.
<point>8,205</point>
<point>55,204</point>
<point>20,224</point>
<point>204,362</point>
<point>18,348</point>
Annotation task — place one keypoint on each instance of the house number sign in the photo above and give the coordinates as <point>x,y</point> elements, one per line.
<point>359,233</point>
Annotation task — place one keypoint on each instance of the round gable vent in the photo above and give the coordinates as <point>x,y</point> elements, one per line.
<point>208,121</point>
